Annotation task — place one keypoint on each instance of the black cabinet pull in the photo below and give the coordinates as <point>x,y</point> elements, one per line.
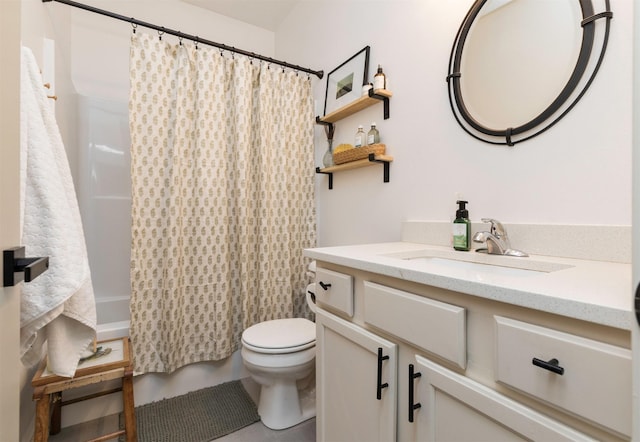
<point>324,286</point>
<point>552,365</point>
<point>412,407</point>
<point>637,304</point>
<point>380,385</point>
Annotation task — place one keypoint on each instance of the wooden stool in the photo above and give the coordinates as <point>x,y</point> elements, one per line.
<point>48,389</point>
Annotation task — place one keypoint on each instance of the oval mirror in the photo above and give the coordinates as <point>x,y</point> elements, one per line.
<point>518,66</point>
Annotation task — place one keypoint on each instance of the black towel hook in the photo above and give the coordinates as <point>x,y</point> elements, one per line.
<point>17,267</point>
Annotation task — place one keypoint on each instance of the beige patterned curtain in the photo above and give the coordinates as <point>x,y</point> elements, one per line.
<point>223,205</point>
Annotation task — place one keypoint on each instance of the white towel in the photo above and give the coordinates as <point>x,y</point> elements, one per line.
<point>58,307</point>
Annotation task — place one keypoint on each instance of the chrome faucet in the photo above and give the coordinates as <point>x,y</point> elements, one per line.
<point>496,240</point>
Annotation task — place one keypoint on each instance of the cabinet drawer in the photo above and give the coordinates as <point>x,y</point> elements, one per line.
<point>456,408</point>
<point>596,379</point>
<point>335,290</point>
<point>433,326</point>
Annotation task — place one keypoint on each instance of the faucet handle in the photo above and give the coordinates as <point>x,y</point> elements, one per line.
<point>498,230</point>
<point>496,226</point>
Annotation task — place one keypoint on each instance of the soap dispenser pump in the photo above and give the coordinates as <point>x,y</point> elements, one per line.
<point>462,228</point>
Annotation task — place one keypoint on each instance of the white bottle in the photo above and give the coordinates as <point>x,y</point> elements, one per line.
<point>360,139</point>
<point>373,136</point>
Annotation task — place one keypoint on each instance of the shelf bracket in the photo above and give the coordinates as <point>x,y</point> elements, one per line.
<point>384,99</point>
<point>318,170</point>
<point>385,164</point>
<point>329,127</point>
<point>17,268</point>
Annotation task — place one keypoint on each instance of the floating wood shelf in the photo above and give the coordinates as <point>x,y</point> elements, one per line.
<point>358,105</point>
<point>370,161</point>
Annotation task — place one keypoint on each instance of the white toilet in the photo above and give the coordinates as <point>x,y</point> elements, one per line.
<point>280,356</point>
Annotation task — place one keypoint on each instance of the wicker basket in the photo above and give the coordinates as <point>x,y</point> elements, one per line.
<point>358,153</point>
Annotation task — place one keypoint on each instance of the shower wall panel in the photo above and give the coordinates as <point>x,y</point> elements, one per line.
<point>104,195</point>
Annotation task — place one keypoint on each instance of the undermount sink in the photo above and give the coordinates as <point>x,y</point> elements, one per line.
<point>481,262</point>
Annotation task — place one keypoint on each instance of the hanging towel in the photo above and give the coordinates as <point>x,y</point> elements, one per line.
<point>58,307</point>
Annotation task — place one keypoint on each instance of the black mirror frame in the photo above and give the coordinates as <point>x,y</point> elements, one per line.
<point>506,136</point>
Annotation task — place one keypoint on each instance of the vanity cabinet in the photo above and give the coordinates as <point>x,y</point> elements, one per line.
<point>410,362</point>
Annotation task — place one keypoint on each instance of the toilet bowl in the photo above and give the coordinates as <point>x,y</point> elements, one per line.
<point>280,356</point>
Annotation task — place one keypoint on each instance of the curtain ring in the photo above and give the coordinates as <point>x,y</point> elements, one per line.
<point>160,34</point>
<point>197,39</point>
<point>180,40</point>
<point>221,52</point>
<point>133,25</point>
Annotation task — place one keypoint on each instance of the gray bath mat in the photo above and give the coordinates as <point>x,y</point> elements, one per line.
<point>199,416</point>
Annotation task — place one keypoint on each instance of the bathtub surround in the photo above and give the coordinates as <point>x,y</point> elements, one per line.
<point>222,199</point>
<point>57,308</point>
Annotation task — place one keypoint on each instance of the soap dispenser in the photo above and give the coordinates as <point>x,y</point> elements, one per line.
<point>462,228</point>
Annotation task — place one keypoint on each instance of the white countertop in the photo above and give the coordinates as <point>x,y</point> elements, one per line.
<point>594,291</point>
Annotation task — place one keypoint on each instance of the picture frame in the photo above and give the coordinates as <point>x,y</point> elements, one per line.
<point>344,83</point>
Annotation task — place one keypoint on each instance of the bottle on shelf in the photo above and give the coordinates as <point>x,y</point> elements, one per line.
<point>379,80</point>
<point>360,139</point>
<point>373,136</point>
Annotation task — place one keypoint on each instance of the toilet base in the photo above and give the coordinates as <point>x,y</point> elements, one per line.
<point>293,406</point>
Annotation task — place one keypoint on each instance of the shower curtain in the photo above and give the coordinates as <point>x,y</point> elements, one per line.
<point>222,199</point>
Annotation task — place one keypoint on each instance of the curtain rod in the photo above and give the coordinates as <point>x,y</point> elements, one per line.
<point>195,38</point>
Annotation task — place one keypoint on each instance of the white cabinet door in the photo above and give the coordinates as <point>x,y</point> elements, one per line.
<point>356,387</point>
<point>456,408</point>
<point>10,367</point>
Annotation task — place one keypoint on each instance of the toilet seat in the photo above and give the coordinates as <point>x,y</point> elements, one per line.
<point>280,336</point>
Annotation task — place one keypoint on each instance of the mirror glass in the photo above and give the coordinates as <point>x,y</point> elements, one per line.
<point>517,58</point>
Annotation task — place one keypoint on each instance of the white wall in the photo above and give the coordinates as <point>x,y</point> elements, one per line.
<point>578,172</point>
<point>635,332</point>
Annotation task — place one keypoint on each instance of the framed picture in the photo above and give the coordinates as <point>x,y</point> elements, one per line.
<point>344,83</point>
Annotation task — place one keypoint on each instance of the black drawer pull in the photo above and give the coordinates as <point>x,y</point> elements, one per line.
<point>551,365</point>
<point>324,286</point>
<point>412,406</point>
<point>380,385</point>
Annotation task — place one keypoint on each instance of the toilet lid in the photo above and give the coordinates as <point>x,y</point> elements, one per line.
<point>281,335</point>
